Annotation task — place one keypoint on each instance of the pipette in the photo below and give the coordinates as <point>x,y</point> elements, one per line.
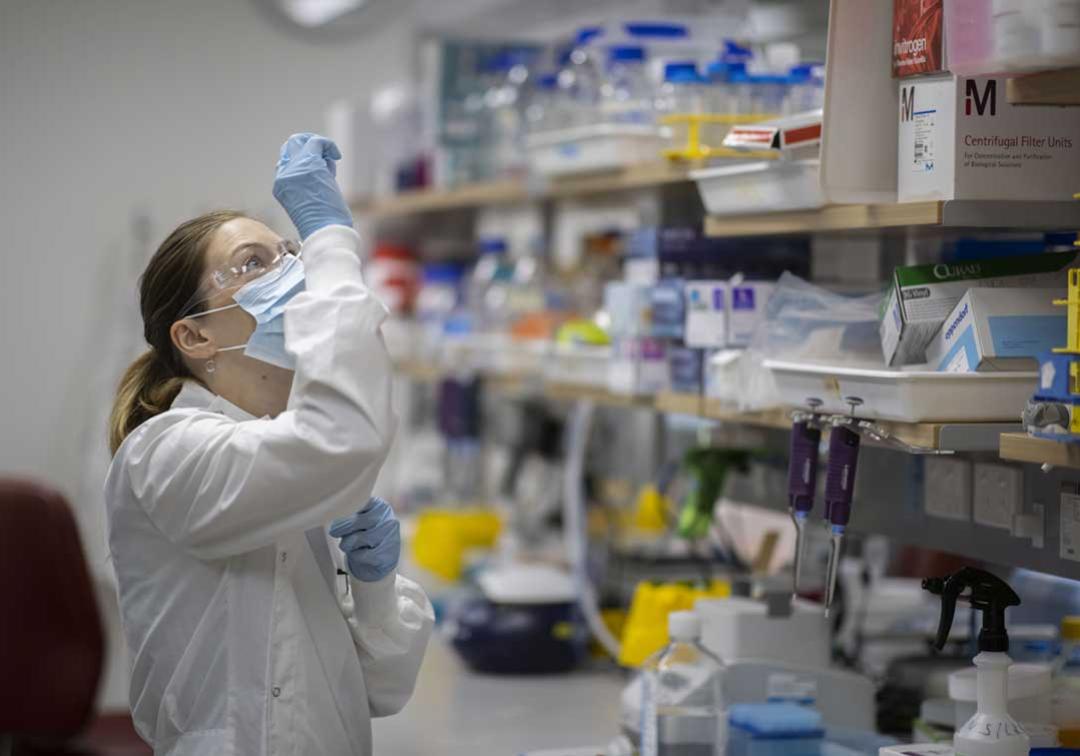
<point>839,487</point>
<point>802,479</point>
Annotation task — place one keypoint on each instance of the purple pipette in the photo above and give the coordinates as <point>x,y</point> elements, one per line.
<point>802,484</point>
<point>839,487</point>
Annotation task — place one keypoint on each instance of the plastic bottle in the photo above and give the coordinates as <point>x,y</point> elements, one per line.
<point>580,77</point>
<point>544,111</point>
<point>683,711</point>
<point>626,93</point>
<point>1067,684</point>
<point>684,92</point>
<point>484,275</point>
<point>992,731</point>
<point>806,88</point>
<point>767,94</point>
<point>504,102</point>
<point>723,92</point>
<point>663,41</point>
<point>437,300</point>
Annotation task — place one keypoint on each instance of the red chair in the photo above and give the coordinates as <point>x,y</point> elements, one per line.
<point>52,644</point>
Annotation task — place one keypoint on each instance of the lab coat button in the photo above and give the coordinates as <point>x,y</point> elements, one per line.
<point>276,691</point>
<point>284,555</point>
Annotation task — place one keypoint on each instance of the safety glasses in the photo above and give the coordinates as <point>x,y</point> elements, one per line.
<point>248,263</point>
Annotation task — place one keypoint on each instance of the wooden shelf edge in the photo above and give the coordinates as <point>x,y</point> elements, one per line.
<point>510,191</point>
<point>1020,447</point>
<point>1058,87</point>
<point>828,218</point>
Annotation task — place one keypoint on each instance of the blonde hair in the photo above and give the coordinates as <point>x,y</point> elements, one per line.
<point>167,286</point>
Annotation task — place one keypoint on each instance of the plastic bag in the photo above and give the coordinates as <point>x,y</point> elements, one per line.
<point>806,323</point>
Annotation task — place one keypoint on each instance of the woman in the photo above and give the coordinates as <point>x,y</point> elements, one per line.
<point>260,413</point>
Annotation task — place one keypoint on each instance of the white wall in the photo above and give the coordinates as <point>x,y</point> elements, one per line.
<point>119,119</point>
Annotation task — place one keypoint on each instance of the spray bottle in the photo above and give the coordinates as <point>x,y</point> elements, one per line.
<point>991,732</point>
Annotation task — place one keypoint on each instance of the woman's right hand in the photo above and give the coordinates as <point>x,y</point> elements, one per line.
<point>305,184</point>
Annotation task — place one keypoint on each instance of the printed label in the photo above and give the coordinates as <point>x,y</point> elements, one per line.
<point>959,363</point>
<point>925,149</point>
<point>1070,527</point>
<point>742,298</point>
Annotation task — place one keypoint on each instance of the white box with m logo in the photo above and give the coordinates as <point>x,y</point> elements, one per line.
<point>960,138</point>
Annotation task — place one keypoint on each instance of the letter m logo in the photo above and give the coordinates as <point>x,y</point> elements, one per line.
<point>987,100</point>
<point>907,103</point>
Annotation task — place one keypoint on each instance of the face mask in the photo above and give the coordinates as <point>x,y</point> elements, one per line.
<point>265,299</point>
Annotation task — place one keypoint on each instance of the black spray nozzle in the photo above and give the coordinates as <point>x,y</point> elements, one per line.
<point>988,593</point>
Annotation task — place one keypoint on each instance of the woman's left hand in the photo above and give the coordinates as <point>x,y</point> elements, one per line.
<point>371,540</point>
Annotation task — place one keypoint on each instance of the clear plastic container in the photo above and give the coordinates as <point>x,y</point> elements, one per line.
<point>486,284</point>
<point>580,77</point>
<point>626,94</point>
<point>806,88</point>
<point>545,111</point>
<point>768,92</point>
<point>436,301</point>
<point>684,92</point>
<point>682,695</point>
<point>504,102</point>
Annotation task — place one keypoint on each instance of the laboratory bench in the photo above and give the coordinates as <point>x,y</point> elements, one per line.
<point>458,712</point>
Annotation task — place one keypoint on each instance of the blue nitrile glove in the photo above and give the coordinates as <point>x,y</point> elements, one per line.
<point>305,184</point>
<point>371,540</point>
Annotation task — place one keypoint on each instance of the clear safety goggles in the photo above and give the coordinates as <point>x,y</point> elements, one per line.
<point>248,263</point>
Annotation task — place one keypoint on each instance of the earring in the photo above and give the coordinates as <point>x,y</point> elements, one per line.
<point>211,366</point>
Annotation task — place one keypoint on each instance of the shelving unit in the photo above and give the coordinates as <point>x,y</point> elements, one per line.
<point>1059,87</point>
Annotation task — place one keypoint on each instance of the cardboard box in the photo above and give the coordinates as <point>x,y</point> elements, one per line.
<point>918,41</point>
<point>746,308</point>
<point>960,138</point>
<point>921,297</point>
<point>638,366</point>
<point>706,314</point>
<point>998,329</point>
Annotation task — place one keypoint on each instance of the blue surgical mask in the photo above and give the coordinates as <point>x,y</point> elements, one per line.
<point>265,299</point>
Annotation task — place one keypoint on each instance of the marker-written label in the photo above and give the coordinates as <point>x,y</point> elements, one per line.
<point>1070,527</point>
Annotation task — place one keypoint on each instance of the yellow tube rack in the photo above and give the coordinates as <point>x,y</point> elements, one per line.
<point>695,150</point>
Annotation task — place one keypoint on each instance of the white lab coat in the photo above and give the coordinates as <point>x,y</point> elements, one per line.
<point>242,639</point>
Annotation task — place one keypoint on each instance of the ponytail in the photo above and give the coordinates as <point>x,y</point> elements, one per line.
<point>147,388</point>
<point>169,284</point>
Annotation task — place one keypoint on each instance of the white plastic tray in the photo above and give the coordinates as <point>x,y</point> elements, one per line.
<point>593,149</point>
<point>579,364</point>
<point>760,187</point>
<point>906,395</point>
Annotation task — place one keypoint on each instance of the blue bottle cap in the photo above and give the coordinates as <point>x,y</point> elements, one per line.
<point>626,54</point>
<point>492,245</point>
<point>586,34</point>
<point>547,81</point>
<point>735,53</point>
<point>656,30</point>
<point>682,72</point>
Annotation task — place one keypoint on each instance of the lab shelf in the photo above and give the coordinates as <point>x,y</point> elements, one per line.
<point>956,437</point>
<point>1021,447</point>
<point>1057,87</point>
<point>508,192</point>
<point>945,214</point>
<point>459,198</point>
